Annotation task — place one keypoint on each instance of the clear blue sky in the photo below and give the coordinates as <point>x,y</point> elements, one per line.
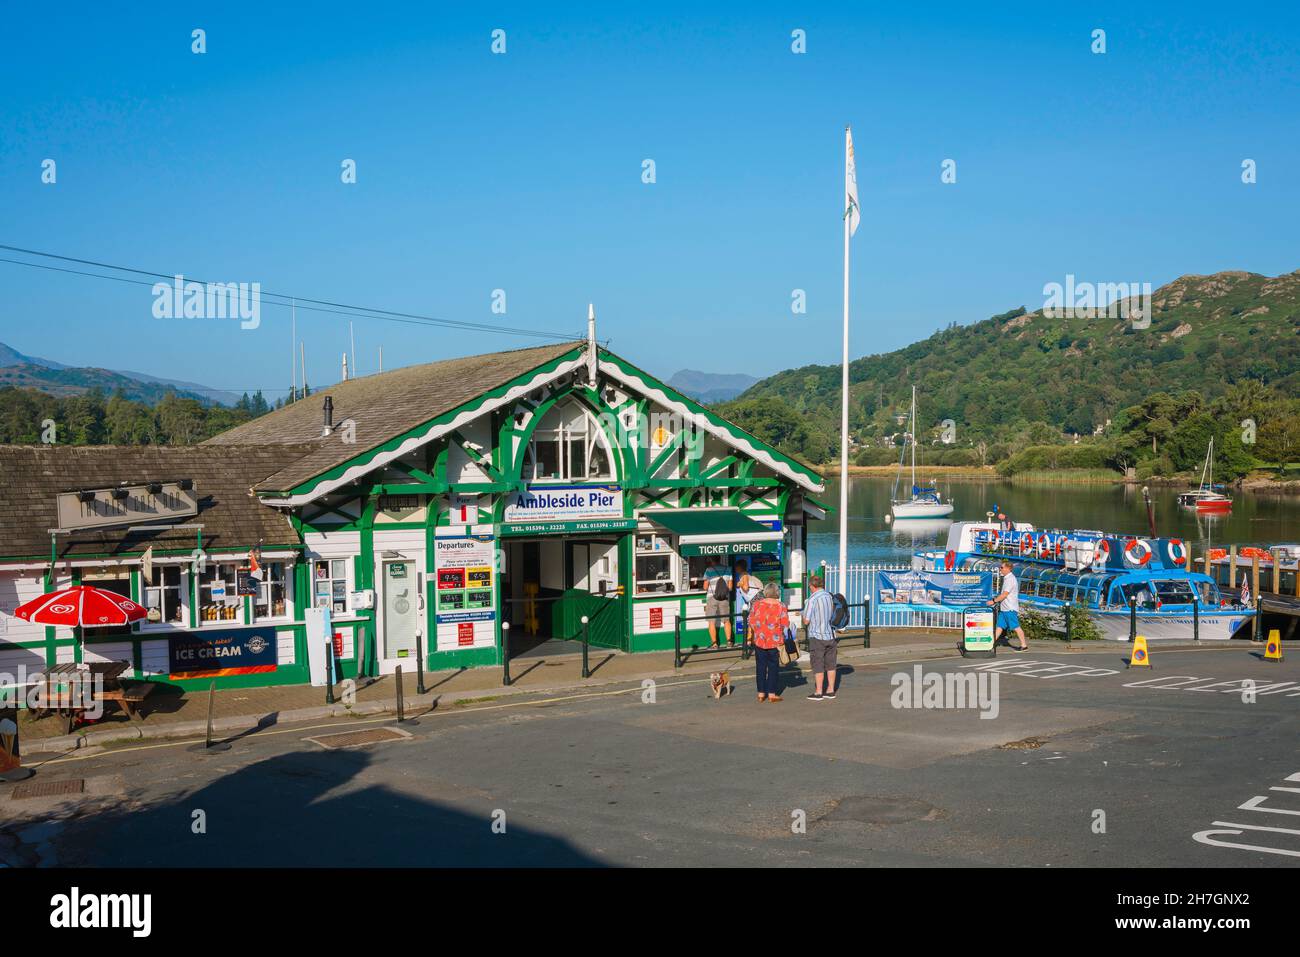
<point>523,171</point>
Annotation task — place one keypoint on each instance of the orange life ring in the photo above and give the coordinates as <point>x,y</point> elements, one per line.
<point>1141,545</point>
<point>1060,546</point>
<point>1045,545</point>
<point>949,559</point>
<point>1176,551</point>
<point>1026,543</point>
<point>1101,554</point>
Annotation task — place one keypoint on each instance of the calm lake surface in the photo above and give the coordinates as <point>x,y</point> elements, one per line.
<point>1255,520</point>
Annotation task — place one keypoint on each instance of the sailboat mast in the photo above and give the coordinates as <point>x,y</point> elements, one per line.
<point>913,440</point>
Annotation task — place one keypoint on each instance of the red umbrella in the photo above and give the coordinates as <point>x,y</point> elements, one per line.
<point>81,605</point>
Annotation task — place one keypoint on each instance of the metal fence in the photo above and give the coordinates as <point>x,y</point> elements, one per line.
<point>858,587</point>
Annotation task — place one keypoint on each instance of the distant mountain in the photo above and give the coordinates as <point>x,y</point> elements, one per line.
<point>710,387</point>
<point>32,372</point>
<point>1206,333</point>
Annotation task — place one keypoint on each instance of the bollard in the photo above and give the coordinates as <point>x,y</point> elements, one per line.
<point>1132,618</point>
<point>586,673</point>
<point>208,744</point>
<point>329,670</point>
<point>419,664</point>
<point>1254,622</point>
<point>1196,619</point>
<point>677,643</point>
<point>401,701</point>
<point>505,653</point>
<point>866,623</point>
<point>744,642</point>
<point>1069,624</point>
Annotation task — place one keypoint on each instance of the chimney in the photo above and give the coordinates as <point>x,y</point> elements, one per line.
<point>329,416</point>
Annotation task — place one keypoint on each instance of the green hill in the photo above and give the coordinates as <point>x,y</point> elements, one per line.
<point>1025,378</point>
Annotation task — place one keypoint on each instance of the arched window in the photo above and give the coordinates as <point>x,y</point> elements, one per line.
<point>568,445</point>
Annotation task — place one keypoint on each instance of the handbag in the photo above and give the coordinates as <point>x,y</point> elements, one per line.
<point>787,651</point>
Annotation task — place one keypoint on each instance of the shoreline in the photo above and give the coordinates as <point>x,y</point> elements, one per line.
<point>1256,483</point>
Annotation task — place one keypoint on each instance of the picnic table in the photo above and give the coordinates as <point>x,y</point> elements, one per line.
<point>61,699</point>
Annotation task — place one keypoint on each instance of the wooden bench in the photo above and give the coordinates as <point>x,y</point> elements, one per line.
<point>130,695</point>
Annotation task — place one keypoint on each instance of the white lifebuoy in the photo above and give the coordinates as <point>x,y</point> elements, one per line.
<point>1100,554</point>
<point>993,539</point>
<point>1045,545</point>
<point>1176,551</point>
<point>1137,552</point>
<point>1026,543</point>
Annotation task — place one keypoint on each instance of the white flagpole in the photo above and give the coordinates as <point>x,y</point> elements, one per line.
<point>842,581</point>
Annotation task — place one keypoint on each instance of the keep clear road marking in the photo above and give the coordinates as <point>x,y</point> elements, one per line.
<point>1052,669</point>
<point>1230,829</point>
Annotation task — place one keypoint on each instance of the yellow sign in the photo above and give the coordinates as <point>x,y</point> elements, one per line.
<point>1139,657</point>
<point>1273,647</point>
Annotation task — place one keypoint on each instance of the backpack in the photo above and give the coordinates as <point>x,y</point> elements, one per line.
<point>720,588</point>
<point>840,613</point>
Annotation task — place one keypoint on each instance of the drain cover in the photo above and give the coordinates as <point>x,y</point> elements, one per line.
<point>43,789</point>
<point>356,739</point>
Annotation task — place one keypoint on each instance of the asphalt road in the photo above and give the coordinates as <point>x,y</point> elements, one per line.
<point>1084,763</point>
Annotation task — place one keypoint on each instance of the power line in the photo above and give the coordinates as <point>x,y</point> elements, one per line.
<point>316,305</point>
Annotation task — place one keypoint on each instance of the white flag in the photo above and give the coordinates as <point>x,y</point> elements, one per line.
<point>851,210</point>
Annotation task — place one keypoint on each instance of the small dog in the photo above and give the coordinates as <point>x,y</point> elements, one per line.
<point>720,683</point>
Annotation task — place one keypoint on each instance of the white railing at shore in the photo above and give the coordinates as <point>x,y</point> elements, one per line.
<point>860,585</point>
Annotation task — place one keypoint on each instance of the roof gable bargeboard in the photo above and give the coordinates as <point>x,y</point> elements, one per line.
<point>307,481</point>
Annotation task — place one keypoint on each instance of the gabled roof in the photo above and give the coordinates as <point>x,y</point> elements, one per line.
<point>398,411</point>
<point>381,407</point>
<point>232,517</point>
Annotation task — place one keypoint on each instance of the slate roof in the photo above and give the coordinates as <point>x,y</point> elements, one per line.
<point>381,406</point>
<point>232,518</point>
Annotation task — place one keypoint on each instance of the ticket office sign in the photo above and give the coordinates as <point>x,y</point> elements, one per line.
<point>464,591</point>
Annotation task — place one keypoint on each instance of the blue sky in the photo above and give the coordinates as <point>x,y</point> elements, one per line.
<point>522,171</point>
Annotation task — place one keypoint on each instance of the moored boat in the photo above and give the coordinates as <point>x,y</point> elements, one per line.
<point>1207,497</point>
<point>1118,579</point>
<point>926,502</point>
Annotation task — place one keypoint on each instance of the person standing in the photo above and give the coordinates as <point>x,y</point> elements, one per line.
<point>748,588</point>
<point>717,600</point>
<point>822,648</point>
<point>769,620</point>
<point>1009,613</point>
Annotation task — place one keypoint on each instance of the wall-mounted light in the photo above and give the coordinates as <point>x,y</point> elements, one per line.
<point>155,488</point>
<point>519,418</point>
<point>185,485</point>
<point>120,493</point>
<point>85,496</point>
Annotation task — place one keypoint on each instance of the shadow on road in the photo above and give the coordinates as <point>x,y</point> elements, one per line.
<point>305,809</point>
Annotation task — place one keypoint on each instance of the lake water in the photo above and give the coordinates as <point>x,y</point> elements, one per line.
<point>1256,520</point>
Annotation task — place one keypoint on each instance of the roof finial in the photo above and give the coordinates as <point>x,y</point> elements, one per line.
<point>591,345</point>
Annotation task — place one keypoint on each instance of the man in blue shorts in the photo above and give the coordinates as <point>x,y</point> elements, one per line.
<point>1009,615</point>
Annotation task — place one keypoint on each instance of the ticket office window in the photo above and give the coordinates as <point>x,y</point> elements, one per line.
<point>656,564</point>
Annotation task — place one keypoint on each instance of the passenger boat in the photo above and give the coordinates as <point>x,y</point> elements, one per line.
<point>1101,572</point>
<point>925,502</point>
<point>1206,497</point>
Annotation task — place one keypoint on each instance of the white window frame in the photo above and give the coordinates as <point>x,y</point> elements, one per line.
<point>593,435</point>
<point>265,588</point>
<point>182,597</point>
<point>348,571</point>
<point>674,564</point>
<point>199,586</point>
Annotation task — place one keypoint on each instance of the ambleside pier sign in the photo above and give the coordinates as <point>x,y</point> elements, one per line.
<point>565,508</point>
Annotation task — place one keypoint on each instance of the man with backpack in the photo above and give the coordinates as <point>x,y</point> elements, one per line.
<point>818,611</point>
<point>717,600</point>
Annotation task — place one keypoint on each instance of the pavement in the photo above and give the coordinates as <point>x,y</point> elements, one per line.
<point>1056,758</point>
<point>170,715</point>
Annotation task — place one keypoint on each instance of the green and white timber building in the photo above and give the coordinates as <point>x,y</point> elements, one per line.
<point>423,507</point>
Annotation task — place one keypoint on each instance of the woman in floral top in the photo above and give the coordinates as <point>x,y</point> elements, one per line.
<point>768,622</point>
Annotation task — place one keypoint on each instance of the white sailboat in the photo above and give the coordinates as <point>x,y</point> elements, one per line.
<point>924,502</point>
<point>1206,498</point>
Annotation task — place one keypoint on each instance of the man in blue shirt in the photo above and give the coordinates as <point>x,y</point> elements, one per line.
<point>1009,613</point>
<point>822,649</point>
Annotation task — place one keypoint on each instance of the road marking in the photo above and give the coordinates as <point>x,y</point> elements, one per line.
<point>1230,829</point>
